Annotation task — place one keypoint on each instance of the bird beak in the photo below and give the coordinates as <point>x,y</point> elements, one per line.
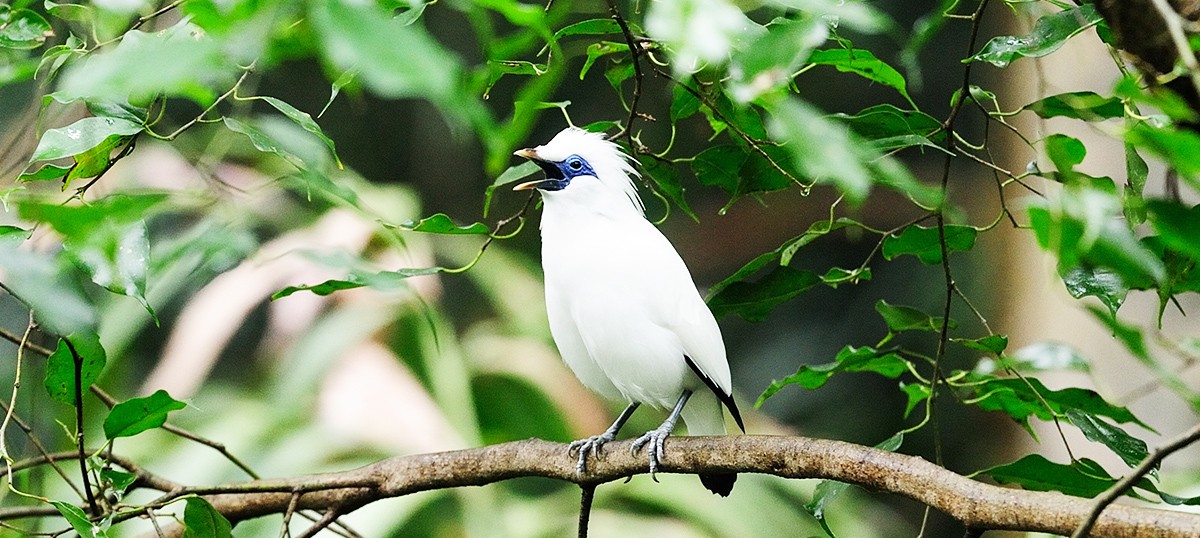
<point>531,154</point>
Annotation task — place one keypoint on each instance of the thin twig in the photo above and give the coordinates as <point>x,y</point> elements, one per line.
<point>1124,485</point>
<point>1180,39</point>
<point>587,495</point>
<point>330,516</point>
<point>635,52</point>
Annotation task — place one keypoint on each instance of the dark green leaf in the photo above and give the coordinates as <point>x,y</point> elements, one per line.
<point>863,63</point>
<point>22,29</point>
<point>1104,284</point>
<point>886,122</point>
<point>1023,398</point>
<point>60,368</point>
<point>442,224</point>
<point>1131,449</point>
<point>754,300</point>
<point>201,520</point>
<point>509,407</point>
<point>836,275</point>
<point>78,520</point>
<point>925,243</point>
<point>81,136</point>
<point>784,253</point>
<point>666,179</point>
<point>849,359</point>
<point>1049,33</point>
<point>907,318</point>
<point>137,415</point>
<point>383,280</point>
<point>718,166</point>
<point>1087,106</point>
<point>1136,172</point>
<point>1084,478</point>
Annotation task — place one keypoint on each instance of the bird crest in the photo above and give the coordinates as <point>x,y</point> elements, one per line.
<point>611,165</point>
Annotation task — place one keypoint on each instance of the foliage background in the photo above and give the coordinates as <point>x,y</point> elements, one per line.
<point>231,200</point>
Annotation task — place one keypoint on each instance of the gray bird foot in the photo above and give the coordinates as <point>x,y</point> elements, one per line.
<point>592,445</point>
<point>653,440</point>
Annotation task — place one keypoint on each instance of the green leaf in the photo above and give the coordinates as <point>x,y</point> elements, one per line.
<point>47,172</point>
<point>78,520</point>
<point>849,359</point>
<point>201,520</point>
<point>137,415</point>
<point>837,275</point>
<point>1049,356</point>
<point>441,223</point>
<point>1103,284</point>
<point>383,280</point>
<point>1049,33</point>
<point>1130,449</point>
<point>392,59</point>
<point>863,63</point>
<point>49,285</point>
<point>1178,225</point>
<point>784,253</point>
<point>510,175</point>
<point>754,300</point>
<point>683,103</point>
<point>888,127</point>
<point>1065,152</point>
<point>666,179</point>
<point>1178,147</point>
<point>1083,478</point>
<point>22,29</point>
<point>822,150</point>
<point>60,368</point>
<point>907,318</point>
<point>916,393</point>
<point>262,142</point>
<point>117,481</point>
<point>95,161</point>
<point>719,166</point>
<point>925,243</point>
<point>1023,398</point>
<point>1136,172</point>
<point>305,121</point>
<point>180,61</point>
<point>81,136</point>
<point>1087,106</point>
<point>994,344</point>
<point>769,61</point>
<point>589,27</point>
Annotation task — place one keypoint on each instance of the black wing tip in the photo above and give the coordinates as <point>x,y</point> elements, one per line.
<point>719,483</point>
<point>726,399</point>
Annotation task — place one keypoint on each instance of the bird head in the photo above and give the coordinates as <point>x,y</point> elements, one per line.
<point>580,164</point>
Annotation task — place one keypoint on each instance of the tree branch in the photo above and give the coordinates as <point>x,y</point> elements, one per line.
<point>977,505</point>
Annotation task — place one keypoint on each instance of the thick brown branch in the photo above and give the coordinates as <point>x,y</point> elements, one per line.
<point>975,504</point>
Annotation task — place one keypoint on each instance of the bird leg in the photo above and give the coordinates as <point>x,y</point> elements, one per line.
<point>656,437</point>
<point>594,443</point>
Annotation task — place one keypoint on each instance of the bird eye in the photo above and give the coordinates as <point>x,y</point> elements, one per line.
<point>575,164</point>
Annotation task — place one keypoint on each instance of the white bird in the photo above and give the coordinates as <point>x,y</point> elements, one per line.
<point>624,311</point>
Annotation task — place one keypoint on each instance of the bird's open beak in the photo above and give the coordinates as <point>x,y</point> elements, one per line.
<point>531,154</point>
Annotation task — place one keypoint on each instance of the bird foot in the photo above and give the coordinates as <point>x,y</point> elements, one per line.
<point>653,440</point>
<point>592,445</point>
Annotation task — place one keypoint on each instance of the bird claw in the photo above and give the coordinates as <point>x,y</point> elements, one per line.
<point>593,445</point>
<point>655,439</point>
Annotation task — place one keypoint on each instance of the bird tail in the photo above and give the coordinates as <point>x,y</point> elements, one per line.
<point>704,416</point>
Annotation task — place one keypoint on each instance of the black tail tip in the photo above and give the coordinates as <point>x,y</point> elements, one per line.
<point>721,484</point>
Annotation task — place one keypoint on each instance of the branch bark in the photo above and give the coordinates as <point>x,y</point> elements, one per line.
<point>977,505</point>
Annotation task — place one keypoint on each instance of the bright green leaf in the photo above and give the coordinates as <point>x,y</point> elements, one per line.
<point>201,520</point>
<point>907,318</point>
<point>511,175</point>
<point>22,29</point>
<point>305,121</point>
<point>1083,478</point>
<point>137,415</point>
<point>47,172</point>
<point>925,243</point>
<point>1130,449</point>
<point>1049,33</point>
<point>863,63</point>
<point>994,344</point>
<point>1178,225</point>
<point>1104,284</point>
<point>441,223</point>
<point>589,27</point>
<point>78,520</point>
<point>849,359</point>
<point>1087,106</point>
<point>81,136</point>
<point>1065,152</point>
<point>383,280</point>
